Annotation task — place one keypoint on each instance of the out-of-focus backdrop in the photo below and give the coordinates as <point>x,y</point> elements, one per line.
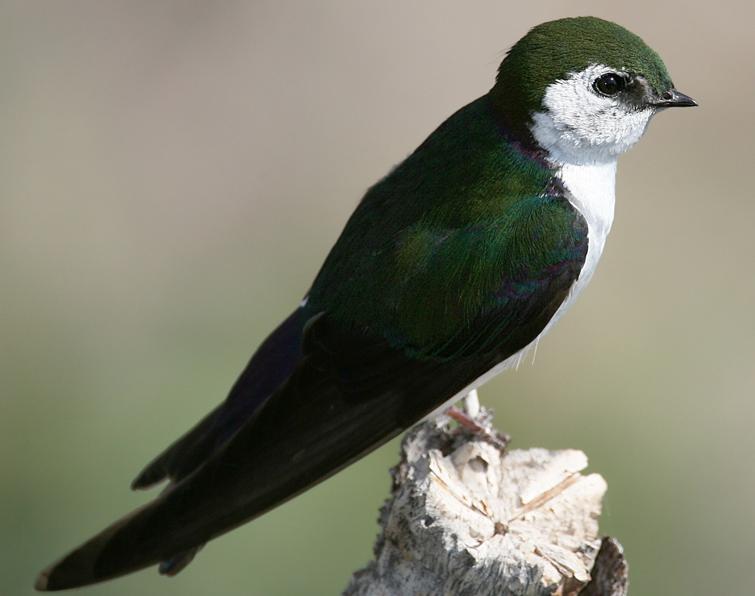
<point>173,173</point>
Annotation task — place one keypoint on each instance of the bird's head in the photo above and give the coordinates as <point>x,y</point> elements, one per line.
<point>583,88</point>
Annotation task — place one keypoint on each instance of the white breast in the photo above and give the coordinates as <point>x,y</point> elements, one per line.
<point>592,191</point>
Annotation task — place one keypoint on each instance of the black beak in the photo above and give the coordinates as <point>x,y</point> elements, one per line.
<point>673,99</point>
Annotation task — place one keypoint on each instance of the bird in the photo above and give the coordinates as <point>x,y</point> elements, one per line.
<point>453,265</point>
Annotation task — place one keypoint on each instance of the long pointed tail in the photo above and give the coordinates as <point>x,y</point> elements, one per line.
<point>347,397</point>
<point>88,563</point>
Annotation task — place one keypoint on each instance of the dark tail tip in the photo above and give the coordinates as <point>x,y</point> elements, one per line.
<point>114,551</point>
<point>43,581</point>
<point>157,470</point>
<point>71,572</point>
<point>149,476</point>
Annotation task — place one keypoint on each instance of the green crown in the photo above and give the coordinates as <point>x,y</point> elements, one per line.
<point>552,50</point>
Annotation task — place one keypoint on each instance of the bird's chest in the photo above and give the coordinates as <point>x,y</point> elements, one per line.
<point>592,191</point>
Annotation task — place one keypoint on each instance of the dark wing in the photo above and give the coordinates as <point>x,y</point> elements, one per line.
<point>270,366</point>
<point>348,395</point>
<point>350,391</point>
<point>450,291</point>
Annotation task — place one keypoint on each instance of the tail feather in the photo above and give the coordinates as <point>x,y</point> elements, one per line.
<point>193,447</point>
<point>348,396</point>
<point>269,367</point>
<point>80,567</point>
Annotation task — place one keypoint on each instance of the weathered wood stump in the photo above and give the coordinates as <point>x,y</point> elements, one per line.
<point>466,517</point>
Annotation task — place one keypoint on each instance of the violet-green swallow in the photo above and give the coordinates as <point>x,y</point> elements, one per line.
<point>449,269</point>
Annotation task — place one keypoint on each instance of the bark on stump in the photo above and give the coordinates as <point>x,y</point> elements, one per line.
<point>467,518</point>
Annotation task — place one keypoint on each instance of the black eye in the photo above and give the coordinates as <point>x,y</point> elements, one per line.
<point>609,83</point>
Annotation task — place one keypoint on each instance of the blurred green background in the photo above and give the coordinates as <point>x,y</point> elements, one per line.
<point>172,174</point>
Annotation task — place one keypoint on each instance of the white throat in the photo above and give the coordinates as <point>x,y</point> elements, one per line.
<point>579,126</point>
<point>583,133</point>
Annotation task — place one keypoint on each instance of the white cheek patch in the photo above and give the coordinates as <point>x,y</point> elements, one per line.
<point>580,126</point>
